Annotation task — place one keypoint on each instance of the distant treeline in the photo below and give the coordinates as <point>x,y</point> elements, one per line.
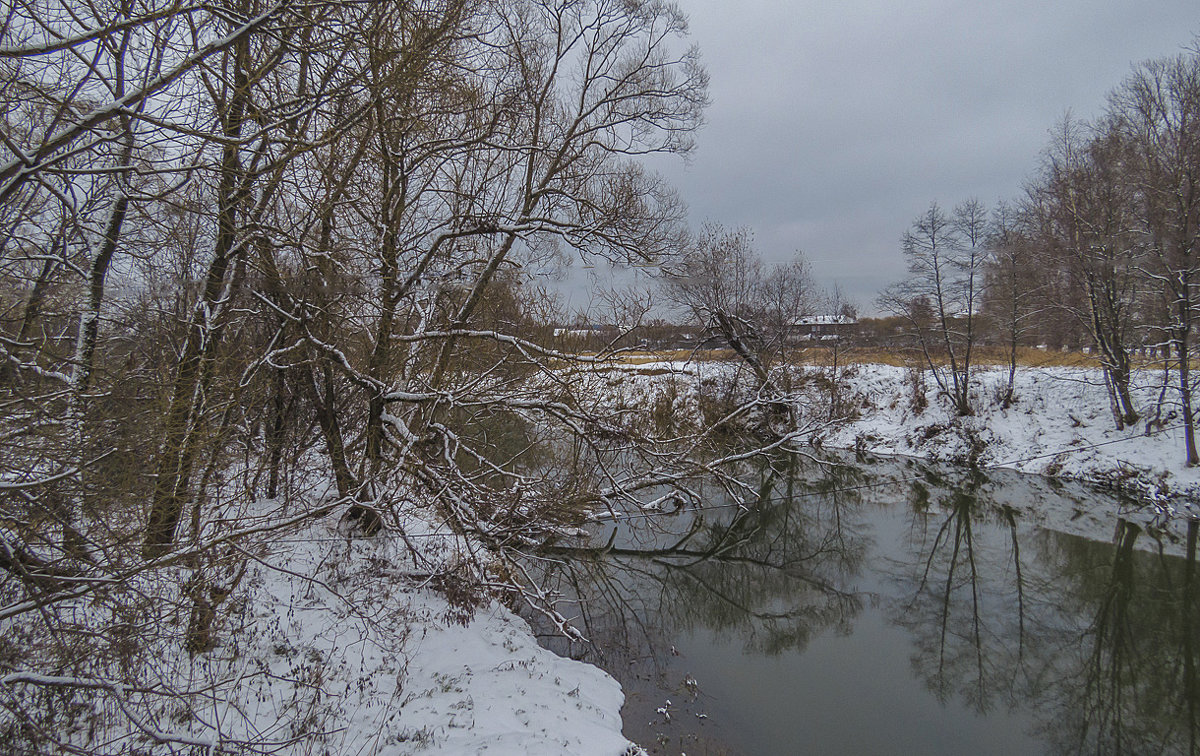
<point>1101,253</point>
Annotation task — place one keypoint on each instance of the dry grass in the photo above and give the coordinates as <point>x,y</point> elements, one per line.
<point>984,356</point>
<point>1026,357</point>
<point>670,355</point>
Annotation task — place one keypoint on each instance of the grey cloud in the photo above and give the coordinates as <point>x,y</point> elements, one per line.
<point>833,125</point>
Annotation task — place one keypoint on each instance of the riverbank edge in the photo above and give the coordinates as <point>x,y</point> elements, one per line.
<point>1059,428</point>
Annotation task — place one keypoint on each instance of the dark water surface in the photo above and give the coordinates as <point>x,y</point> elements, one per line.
<point>891,608</point>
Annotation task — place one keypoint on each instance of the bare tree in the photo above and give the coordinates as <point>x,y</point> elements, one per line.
<point>1156,111</point>
<point>787,294</point>
<point>717,283</point>
<point>839,310</point>
<point>941,296</point>
<point>237,231</point>
<point>1083,223</point>
<point>1011,287</point>
<point>253,144</point>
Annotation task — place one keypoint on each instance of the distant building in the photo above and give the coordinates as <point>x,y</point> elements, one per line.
<point>822,328</point>
<point>576,333</point>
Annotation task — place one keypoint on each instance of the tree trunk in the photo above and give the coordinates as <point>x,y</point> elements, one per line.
<point>324,400</point>
<point>188,403</point>
<point>1183,352</point>
<point>1185,397</point>
<point>1125,405</point>
<point>33,308</point>
<point>276,434</point>
<point>89,333</point>
<point>778,409</point>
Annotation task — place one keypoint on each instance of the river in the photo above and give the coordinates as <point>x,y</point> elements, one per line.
<point>891,607</point>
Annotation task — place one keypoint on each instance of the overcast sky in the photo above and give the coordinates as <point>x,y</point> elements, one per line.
<point>833,125</point>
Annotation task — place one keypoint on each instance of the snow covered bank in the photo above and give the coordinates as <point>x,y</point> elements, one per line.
<point>336,645</point>
<point>401,671</point>
<point>1059,426</point>
<point>487,687</point>
<point>328,645</point>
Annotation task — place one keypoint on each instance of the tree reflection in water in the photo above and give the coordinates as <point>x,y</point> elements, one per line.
<point>955,613</point>
<point>1130,684</point>
<point>1096,643</point>
<point>767,577</point>
<point>770,573</point>
<point>1097,640</point>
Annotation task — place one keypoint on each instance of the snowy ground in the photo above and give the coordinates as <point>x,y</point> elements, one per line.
<point>407,676</point>
<point>1059,426</point>
<point>337,646</point>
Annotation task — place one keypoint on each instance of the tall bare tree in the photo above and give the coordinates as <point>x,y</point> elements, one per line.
<point>941,296</point>
<point>1156,111</point>
<point>1012,287</point>
<point>1085,225</point>
<point>237,230</point>
<point>787,294</point>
